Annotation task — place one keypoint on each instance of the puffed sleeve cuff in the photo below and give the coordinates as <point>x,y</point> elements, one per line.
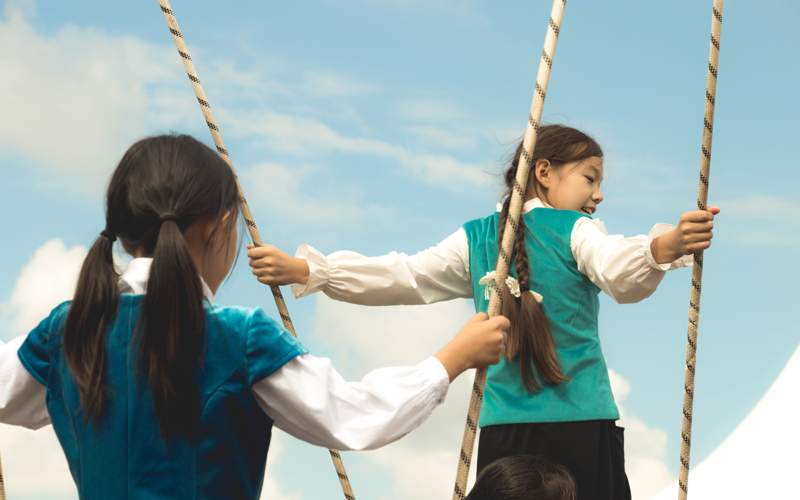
<point>656,231</point>
<point>439,376</point>
<point>318,271</point>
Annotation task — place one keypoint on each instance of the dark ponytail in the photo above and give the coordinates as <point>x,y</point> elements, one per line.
<point>93,309</point>
<point>530,336</point>
<point>171,331</point>
<point>161,187</point>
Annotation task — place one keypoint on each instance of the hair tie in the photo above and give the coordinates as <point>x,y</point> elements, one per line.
<point>167,216</point>
<point>109,235</point>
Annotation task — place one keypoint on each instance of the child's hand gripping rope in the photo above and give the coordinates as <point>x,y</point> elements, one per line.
<point>692,234</point>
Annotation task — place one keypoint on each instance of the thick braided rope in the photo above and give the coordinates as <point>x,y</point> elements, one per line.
<point>697,271</point>
<point>515,208</point>
<point>183,51</point>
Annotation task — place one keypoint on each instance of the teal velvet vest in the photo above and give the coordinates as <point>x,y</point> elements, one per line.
<point>571,304</point>
<point>123,456</point>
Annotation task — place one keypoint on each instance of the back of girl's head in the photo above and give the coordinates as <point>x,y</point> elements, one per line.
<point>530,337</point>
<point>162,185</point>
<point>523,477</point>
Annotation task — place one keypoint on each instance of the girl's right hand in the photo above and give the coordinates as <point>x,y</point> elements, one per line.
<point>692,234</point>
<point>272,266</point>
<point>479,343</point>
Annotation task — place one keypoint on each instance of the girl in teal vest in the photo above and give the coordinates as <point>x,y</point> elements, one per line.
<point>550,395</point>
<point>156,392</point>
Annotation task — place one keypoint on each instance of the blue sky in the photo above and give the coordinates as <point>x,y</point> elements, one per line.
<point>379,125</point>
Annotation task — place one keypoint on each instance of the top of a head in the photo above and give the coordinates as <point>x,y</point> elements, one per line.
<point>523,477</point>
<point>175,177</point>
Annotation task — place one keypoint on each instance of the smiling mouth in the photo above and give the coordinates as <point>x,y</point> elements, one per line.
<point>589,211</point>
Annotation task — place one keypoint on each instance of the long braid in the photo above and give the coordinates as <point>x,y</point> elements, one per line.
<point>530,336</point>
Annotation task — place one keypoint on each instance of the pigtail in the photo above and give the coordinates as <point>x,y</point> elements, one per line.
<point>92,311</point>
<point>171,332</point>
<point>530,336</point>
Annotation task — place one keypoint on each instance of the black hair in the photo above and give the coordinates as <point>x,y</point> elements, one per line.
<point>523,477</point>
<point>161,186</point>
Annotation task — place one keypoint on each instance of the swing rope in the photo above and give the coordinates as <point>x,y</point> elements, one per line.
<point>697,271</point>
<point>509,234</point>
<point>205,107</point>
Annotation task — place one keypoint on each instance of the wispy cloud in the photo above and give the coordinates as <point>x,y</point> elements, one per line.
<point>74,120</point>
<point>328,84</point>
<point>285,190</point>
<point>430,110</point>
<point>645,446</point>
<point>309,137</point>
<point>762,220</point>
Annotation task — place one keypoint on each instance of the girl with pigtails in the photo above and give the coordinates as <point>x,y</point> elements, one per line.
<point>550,395</point>
<point>156,391</point>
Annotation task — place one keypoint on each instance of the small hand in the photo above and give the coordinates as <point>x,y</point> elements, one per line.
<point>272,266</point>
<point>479,343</point>
<point>692,234</point>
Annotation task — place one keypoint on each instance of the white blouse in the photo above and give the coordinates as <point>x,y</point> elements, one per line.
<point>306,397</point>
<point>624,268</point>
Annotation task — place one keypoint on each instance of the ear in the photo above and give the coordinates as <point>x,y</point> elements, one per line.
<point>543,173</point>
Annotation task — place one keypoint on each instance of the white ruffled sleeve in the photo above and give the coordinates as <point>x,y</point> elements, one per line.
<point>310,400</point>
<point>624,268</point>
<point>436,274</point>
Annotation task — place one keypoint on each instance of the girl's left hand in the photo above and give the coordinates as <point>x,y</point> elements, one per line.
<point>692,234</point>
<point>272,266</point>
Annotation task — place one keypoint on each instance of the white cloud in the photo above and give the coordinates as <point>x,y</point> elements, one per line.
<point>272,490</point>
<point>309,137</point>
<point>34,463</point>
<point>423,464</point>
<point>281,189</point>
<point>645,447</point>
<point>430,110</point>
<point>327,84</point>
<point>80,96</point>
<point>762,220</point>
<point>762,206</point>
<point>442,137</point>
<point>48,279</point>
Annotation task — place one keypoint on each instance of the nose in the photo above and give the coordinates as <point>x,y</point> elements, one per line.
<point>597,196</point>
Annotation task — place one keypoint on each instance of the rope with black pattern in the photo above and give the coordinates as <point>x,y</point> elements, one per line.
<point>697,270</point>
<point>509,234</point>
<point>205,107</point>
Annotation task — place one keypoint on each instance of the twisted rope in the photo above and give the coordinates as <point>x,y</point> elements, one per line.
<point>697,271</point>
<point>509,234</point>
<point>205,107</point>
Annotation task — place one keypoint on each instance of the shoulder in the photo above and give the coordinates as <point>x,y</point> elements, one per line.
<point>252,325</point>
<point>481,225</point>
<point>267,345</point>
<point>51,326</point>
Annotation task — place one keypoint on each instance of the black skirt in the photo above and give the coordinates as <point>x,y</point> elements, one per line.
<point>593,452</point>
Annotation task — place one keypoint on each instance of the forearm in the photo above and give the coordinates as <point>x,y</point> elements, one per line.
<point>384,406</point>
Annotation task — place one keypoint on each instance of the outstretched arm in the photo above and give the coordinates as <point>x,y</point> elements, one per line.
<point>309,399</point>
<point>629,269</point>
<point>432,275</point>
